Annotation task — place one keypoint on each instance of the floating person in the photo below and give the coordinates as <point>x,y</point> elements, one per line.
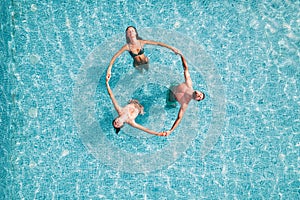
<point>128,113</point>
<point>182,93</point>
<point>135,46</point>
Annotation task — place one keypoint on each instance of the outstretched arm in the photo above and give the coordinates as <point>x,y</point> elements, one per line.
<point>187,75</point>
<point>177,121</point>
<point>113,99</point>
<point>142,128</point>
<point>108,72</point>
<point>176,51</point>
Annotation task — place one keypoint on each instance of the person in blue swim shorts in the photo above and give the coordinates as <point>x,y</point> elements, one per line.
<point>182,93</point>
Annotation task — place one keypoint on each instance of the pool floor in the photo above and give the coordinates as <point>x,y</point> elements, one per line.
<point>242,142</point>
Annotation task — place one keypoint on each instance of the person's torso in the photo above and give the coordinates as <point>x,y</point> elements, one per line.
<point>137,52</point>
<point>131,111</point>
<point>182,93</point>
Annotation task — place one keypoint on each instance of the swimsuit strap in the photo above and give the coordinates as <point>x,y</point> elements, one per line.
<point>129,47</point>
<point>140,46</point>
<point>141,51</point>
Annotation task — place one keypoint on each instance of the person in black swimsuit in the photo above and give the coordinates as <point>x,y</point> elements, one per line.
<point>135,46</point>
<point>139,53</point>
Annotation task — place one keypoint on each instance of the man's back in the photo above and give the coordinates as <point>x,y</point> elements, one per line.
<point>183,93</point>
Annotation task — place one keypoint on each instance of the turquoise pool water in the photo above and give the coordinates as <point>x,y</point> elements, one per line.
<point>242,142</point>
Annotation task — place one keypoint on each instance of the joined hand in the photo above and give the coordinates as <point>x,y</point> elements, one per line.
<point>164,133</point>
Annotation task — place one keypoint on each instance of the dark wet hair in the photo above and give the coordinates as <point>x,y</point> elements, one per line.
<point>117,130</point>
<point>203,94</point>
<point>137,34</point>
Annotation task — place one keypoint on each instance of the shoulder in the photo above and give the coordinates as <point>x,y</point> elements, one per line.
<point>184,106</point>
<point>125,47</point>
<point>143,41</point>
<point>148,42</point>
<point>183,86</point>
<point>131,122</point>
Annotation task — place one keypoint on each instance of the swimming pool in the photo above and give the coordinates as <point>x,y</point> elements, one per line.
<point>242,142</point>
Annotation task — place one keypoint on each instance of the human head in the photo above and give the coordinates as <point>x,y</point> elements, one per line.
<point>137,35</point>
<point>117,124</point>
<point>198,96</point>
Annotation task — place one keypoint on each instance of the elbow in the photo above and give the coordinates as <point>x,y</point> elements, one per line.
<point>179,117</point>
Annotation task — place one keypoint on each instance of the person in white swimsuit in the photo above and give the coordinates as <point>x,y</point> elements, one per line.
<point>128,113</point>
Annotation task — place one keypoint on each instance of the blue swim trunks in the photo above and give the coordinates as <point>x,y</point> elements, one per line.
<point>171,99</point>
